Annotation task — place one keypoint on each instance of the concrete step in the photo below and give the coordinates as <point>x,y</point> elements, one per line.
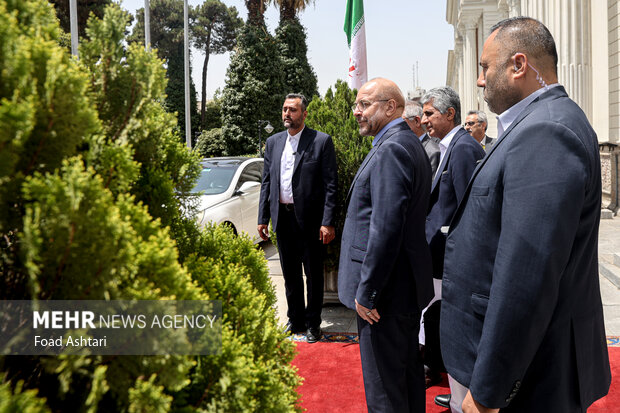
<point>616,259</point>
<point>611,271</point>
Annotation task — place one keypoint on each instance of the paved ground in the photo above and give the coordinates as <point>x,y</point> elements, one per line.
<point>337,318</point>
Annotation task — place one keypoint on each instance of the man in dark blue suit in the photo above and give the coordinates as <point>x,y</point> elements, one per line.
<point>459,155</point>
<point>522,320</point>
<point>384,271</point>
<point>298,193</point>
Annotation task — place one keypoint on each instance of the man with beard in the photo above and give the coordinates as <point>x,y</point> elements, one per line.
<point>522,320</point>
<point>298,193</point>
<point>384,271</point>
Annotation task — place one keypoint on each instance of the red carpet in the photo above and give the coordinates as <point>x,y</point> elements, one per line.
<point>332,375</point>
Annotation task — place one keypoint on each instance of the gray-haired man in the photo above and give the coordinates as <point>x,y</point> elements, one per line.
<point>413,116</point>
<point>476,124</point>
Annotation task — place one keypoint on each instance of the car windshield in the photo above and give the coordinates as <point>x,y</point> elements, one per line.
<point>214,179</point>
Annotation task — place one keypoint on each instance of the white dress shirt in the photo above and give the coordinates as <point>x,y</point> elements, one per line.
<point>445,142</point>
<point>287,164</point>
<point>505,119</point>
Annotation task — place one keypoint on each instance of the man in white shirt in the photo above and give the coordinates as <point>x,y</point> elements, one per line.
<point>298,194</point>
<point>460,153</point>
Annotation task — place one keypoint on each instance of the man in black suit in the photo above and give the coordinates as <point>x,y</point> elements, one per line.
<point>413,116</point>
<point>384,271</point>
<point>522,322</point>
<point>298,193</point>
<point>459,154</point>
<point>476,124</point>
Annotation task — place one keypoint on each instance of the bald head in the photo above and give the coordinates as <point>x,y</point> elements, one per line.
<point>379,101</point>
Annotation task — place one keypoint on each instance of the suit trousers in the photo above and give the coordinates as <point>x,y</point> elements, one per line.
<point>391,364</point>
<point>297,248</point>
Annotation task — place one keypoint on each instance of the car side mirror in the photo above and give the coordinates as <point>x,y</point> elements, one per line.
<point>246,186</point>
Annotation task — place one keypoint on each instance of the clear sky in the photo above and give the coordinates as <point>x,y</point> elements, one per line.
<point>399,33</point>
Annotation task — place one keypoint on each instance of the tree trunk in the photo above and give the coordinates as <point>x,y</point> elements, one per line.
<point>287,11</point>
<point>256,12</point>
<point>203,104</point>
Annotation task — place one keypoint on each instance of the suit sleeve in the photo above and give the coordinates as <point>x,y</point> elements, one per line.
<point>545,180</point>
<point>391,187</point>
<point>330,182</point>
<point>263,205</point>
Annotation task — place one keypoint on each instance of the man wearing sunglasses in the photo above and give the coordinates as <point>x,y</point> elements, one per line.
<point>476,124</point>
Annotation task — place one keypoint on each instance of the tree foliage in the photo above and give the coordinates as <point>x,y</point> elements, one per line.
<point>332,115</point>
<point>92,177</point>
<point>166,17</point>
<point>214,29</point>
<point>254,89</point>
<point>299,76</point>
<point>84,9</point>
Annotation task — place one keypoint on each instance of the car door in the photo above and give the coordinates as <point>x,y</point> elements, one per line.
<point>250,196</point>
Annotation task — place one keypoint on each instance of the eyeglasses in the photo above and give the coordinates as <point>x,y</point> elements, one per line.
<point>364,104</point>
<point>471,123</point>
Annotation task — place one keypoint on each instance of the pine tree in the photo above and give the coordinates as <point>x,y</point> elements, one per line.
<point>91,174</point>
<point>167,38</point>
<point>214,30</point>
<point>254,90</point>
<point>299,74</point>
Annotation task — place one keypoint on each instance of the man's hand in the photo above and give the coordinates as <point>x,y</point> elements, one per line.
<point>327,234</point>
<point>472,406</point>
<point>371,316</point>
<point>263,231</point>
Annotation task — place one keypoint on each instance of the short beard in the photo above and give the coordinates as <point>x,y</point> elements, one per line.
<point>503,96</point>
<point>290,124</point>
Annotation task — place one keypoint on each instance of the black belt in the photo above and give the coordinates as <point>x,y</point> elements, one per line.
<point>288,207</point>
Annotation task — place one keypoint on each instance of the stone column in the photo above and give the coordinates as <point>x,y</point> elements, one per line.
<point>570,23</point>
<point>458,55</point>
<point>469,98</point>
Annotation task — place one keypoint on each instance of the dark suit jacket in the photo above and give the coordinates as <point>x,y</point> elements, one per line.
<point>431,146</point>
<point>384,258</point>
<point>488,143</point>
<point>315,180</point>
<point>447,191</point>
<point>522,319</point>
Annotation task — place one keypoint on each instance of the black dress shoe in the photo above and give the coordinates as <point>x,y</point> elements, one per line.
<point>313,335</point>
<point>443,400</point>
<point>292,329</point>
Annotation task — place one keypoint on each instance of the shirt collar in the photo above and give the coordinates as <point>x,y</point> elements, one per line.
<point>445,142</point>
<point>506,118</point>
<point>296,136</point>
<point>385,129</point>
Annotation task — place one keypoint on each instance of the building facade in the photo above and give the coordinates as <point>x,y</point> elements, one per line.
<point>587,35</point>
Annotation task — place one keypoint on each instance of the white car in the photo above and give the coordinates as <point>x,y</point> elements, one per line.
<point>229,191</point>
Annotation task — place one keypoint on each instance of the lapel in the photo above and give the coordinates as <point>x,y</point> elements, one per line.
<point>554,93</point>
<point>304,141</point>
<point>396,128</point>
<point>278,148</point>
<point>446,158</point>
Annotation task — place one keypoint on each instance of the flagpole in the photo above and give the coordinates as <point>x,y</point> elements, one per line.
<point>74,27</point>
<point>147,25</point>
<point>188,126</point>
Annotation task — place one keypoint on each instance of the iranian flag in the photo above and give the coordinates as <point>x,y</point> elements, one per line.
<point>355,29</point>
